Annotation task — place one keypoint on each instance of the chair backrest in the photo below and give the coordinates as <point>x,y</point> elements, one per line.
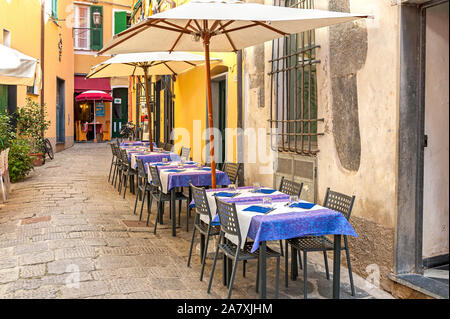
<point>168,147</point>
<point>124,157</point>
<point>229,223</point>
<point>290,188</point>
<point>160,144</point>
<point>232,170</point>
<point>185,152</point>
<point>339,202</point>
<point>156,181</point>
<point>141,169</point>
<point>201,201</point>
<point>118,143</point>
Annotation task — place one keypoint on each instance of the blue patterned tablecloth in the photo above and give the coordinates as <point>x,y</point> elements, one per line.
<point>154,157</point>
<point>136,143</point>
<point>298,224</point>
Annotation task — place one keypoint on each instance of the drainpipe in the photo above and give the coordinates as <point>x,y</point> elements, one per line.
<point>240,126</point>
<point>42,62</point>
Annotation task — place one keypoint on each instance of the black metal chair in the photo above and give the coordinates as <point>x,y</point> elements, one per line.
<point>208,229</point>
<point>128,174</point>
<point>229,224</point>
<point>119,166</point>
<point>232,170</point>
<point>185,152</point>
<point>168,147</point>
<point>160,144</point>
<point>144,188</point>
<point>338,202</point>
<point>161,197</point>
<point>113,161</point>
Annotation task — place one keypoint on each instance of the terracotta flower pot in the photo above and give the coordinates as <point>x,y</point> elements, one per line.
<point>37,159</point>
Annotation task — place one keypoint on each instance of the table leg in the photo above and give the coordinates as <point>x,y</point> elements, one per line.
<point>294,265</point>
<point>262,270</point>
<point>337,266</point>
<point>173,213</point>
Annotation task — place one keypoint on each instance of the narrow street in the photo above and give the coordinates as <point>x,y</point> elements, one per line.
<point>66,222</point>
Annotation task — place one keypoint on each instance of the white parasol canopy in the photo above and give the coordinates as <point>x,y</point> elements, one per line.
<point>221,26</point>
<point>157,63</point>
<point>16,68</point>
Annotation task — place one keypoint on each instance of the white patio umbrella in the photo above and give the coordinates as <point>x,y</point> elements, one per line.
<point>221,26</point>
<point>147,63</point>
<point>16,68</point>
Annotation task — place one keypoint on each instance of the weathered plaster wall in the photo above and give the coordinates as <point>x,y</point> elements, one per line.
<point>436,159</point>
<point>369,83</point>
<point>358,98</point>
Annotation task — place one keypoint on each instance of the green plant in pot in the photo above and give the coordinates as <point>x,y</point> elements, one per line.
<point>31,125</point>
<point>19,159</point>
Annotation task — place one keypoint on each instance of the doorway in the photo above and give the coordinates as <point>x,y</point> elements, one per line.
<point>60,111</point>
<point>119,110</point>
<point>435,242</point>
<point>219,107</point>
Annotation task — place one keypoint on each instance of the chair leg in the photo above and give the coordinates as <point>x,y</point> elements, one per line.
<point>110,168</point>
<point>349,265</point>
<point>286,263</point>
<point>136,201</point>
<point>281,248</point>
<point>3,188</point>
<point>205,252</point>
<point>233,274</point>
<point>214,264</point>
<point>125,185</point>
<point>305,276</point>
<point>158,212</point>
<point>244,263</point>
<point>142,205</point>
<point>187,215</point>
<point>149,208</point>
<point>192,245</point>
<point>325,259</point>
<point>300,259</point>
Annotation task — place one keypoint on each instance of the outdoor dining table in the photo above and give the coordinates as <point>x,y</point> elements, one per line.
<point>283,220</point>
<point>151,157</point>
<point>136,143</point>
<point>171,178</point>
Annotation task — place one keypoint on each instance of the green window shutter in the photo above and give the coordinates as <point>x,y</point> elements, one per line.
<point>120,21</point>
<point>55,8</point>
<point>3,98</point>
<point>96,32</point>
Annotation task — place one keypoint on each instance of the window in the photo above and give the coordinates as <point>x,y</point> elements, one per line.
<point>82,28</point>
<point>121,21</point>
<point>293,115</point>
<point>96,31</point>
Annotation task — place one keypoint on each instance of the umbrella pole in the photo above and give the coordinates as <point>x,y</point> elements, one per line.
<point>149,114</point>
<point>95,132</point>
<point>210,115</point>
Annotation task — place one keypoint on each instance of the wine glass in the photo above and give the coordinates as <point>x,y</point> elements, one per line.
<point>267,201</point>
<point>293,199</point>
<point>232,187</point>
<point>165,160</point>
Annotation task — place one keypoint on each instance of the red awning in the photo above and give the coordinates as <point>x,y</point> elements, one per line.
<point>82,84</point>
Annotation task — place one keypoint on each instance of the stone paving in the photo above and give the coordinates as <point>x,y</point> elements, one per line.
<point>64,234</point>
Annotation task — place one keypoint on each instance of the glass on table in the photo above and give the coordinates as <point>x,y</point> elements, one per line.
<point>293,199</point>
<point>267,201</point>
<point>165,160</point>
<point>232,187</point>
<point>256,187</point>
<point>199,165</point>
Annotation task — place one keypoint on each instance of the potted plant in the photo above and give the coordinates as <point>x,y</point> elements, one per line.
<point>31,125</point>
